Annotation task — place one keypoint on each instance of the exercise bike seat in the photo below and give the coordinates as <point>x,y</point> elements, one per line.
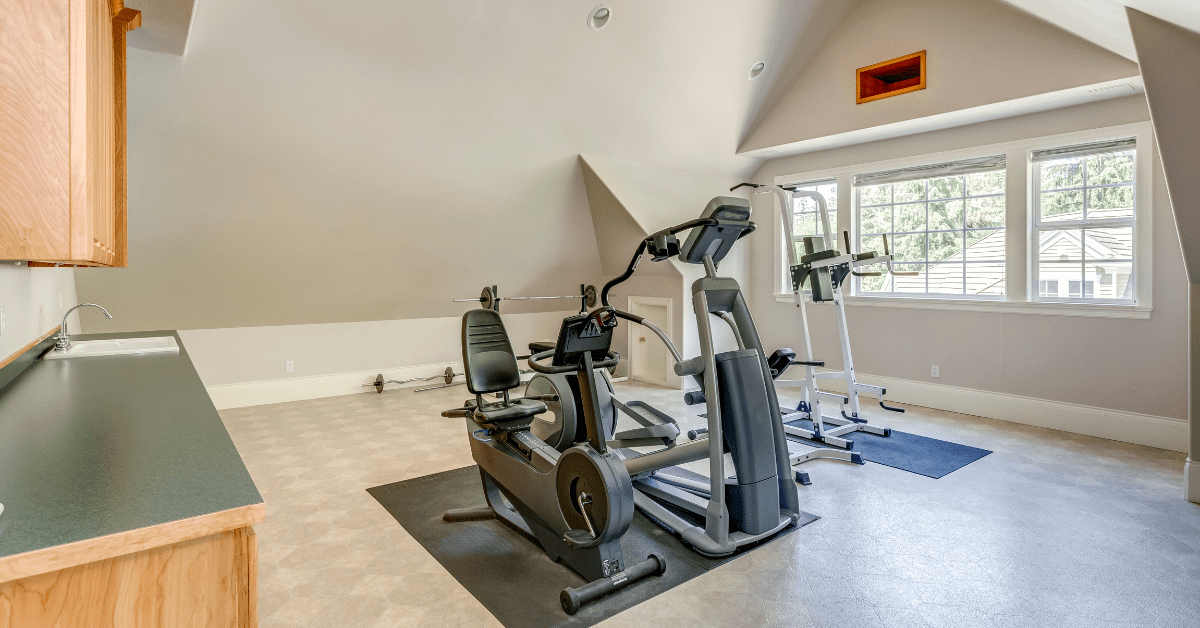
<point>516,414</point>
<point>490,365</point>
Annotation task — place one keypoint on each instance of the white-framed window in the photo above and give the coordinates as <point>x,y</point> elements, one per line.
<point>1084,222</point>
<point>806,216</point>
<point>945,223</point>
<point>1106,237</point>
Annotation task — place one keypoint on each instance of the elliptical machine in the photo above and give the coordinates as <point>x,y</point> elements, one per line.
<point>824,269</point>
<point>576,504</point>
<point>716,514</point>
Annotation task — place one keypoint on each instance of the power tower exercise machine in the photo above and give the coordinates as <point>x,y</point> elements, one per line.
<point>824,269</point>
<point>717,513</point>
<point>577,502</point>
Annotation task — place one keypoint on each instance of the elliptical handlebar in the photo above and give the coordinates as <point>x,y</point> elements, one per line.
<point>534,363</point>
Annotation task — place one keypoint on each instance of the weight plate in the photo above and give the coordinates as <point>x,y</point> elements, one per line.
<point>590,294</point>
<point>449,375</point>
<point>487,298</point>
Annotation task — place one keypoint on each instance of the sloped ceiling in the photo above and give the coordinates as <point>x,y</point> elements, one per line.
<point>630,201</point>
<point>980,53</point>
<point>1168,52</point>
<point>309,162</point>
<point>1103,22</point>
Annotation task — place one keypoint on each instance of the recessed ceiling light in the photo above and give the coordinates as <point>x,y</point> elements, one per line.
<point>756,69</point>
<point>599,17</point>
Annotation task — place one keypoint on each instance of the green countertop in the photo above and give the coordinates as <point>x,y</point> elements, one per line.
<point>102,445</point>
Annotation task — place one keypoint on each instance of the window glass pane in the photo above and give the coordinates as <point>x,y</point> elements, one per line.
<point>876,219</point>
<point>1110,168</point>
<point>1062,205</point>
<point>910,284</point>
<point>804,225</point>
<point>946,278</point>
<point>875,194</point>
<point>1114,202</point>
<point>946,215</point>
<point>1112,280</point>
<point>944,246</point>
<point>986,183</point>
<point>985,245</point>
<point>1108,244</point>
<point>872,243</point>
<point>874,284</point>
<point>985,279</point>
<point>910,217</point>
<point>988,211</point>
<point>1057,277</point>
<point>932,221</point>
<point>947,187</point>
<point>1062,173</point>
<point>908,191</point>
<point>1060,246</point>
<point>909,248</point>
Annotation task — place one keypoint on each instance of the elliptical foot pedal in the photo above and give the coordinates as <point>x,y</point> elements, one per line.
<point>573,599</point>
<point>803,478</point>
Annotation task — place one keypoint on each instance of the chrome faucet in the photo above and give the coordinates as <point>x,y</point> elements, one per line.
<point>63,339</point>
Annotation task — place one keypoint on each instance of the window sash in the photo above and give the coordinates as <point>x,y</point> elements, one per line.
<point>1039,224</point>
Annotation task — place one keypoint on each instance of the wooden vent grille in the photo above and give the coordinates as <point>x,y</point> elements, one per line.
<point>891,78</point>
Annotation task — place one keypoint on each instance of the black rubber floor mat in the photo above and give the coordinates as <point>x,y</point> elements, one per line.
<point>922,455</point>
<point>512,577</point>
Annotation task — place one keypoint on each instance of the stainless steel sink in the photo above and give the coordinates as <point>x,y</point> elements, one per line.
<point>119,346</point>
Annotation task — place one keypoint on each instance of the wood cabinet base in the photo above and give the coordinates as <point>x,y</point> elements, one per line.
<point>211,581</point>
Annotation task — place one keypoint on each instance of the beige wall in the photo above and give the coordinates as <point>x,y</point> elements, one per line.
<point>1133,365</point>
<point>979,52</point>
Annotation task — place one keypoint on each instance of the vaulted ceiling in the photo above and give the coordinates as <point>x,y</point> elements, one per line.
<point>308,161</point>
<point>1103,22</point>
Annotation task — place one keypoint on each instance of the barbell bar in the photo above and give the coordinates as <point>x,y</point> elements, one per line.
<point>488,297</point>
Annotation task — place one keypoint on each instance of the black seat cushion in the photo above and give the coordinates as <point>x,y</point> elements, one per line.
<point>516,410</point>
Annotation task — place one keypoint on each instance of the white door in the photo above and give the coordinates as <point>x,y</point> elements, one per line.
<point>649,360</point>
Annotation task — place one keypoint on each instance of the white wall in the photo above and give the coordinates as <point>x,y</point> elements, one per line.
<point>31,298</point>
<point>1137,366</point>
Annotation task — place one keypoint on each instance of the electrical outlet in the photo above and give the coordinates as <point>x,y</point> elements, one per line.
<point>289,366</point>
<point>935,371</point>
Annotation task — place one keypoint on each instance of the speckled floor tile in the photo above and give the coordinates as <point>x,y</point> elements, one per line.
<point>1053,529</point>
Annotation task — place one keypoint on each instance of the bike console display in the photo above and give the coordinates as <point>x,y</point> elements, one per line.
<point>584,333</point>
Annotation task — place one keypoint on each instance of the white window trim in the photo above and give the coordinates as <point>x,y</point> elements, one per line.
<point>1016,298</point>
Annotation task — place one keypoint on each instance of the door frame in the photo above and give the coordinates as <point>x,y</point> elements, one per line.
<point>669,303</point>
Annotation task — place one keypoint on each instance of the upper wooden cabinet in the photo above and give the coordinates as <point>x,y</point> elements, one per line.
<point>62,131</point>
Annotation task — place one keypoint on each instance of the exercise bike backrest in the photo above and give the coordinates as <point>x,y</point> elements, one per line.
<point>488,357</point>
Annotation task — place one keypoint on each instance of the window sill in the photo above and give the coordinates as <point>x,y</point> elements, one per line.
<point>1003,307</point>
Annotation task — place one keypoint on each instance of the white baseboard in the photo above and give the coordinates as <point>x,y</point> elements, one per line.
<point>301,388</point>
<point>1120,425</point>
<point>1191,481</point>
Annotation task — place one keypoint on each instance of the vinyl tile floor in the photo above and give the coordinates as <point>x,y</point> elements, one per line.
<point>1053,529</point>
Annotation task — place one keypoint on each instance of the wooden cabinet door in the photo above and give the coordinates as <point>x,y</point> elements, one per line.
<point>35,130</point>
<point>93,131</point>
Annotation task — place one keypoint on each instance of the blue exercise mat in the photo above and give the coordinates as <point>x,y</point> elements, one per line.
<point>908,452</point>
